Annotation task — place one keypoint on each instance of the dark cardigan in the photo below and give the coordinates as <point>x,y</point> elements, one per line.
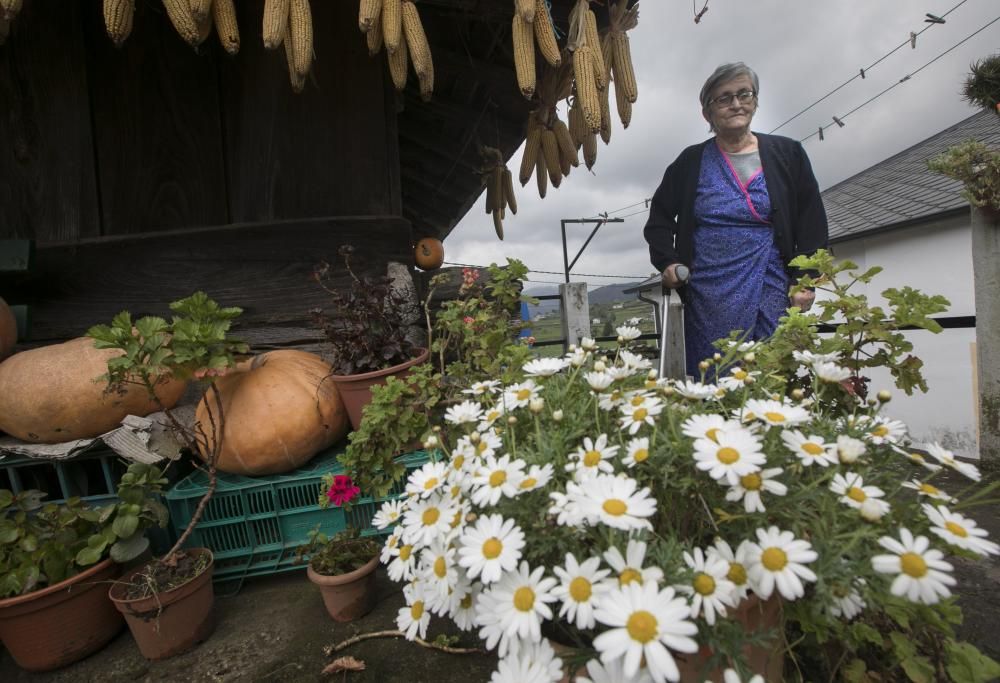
<point>797,213</point>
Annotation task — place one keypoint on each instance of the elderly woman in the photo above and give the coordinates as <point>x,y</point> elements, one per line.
<point>735,209</point>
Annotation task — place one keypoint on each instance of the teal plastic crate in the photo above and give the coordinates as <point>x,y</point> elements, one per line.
<point>254,524</point>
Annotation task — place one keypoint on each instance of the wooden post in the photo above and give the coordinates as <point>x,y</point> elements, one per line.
<point>986,267</point>
<point>575,312</point>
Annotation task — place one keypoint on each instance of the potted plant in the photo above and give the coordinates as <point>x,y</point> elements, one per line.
<point>55,560</point>
<point>167,602</point>
<point>368,327</point>
<point>343,566</point>
<point>668,530</point>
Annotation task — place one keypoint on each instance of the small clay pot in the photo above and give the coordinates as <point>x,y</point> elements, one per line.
<point>62,623</point>
<point>173,621</point>
<point>347,596</point>
<point>356,390</point>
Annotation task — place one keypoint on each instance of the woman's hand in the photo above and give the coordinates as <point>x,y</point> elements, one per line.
<point>803,299</point>
<point>669,276</point>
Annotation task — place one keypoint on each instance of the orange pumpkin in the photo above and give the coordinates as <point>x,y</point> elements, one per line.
<point>429,254</point>
<point>49,394</point>
<point>279,411</point>
<point>8,330</point>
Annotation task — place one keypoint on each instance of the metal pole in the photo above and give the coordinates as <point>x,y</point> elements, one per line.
<point>562,224</point>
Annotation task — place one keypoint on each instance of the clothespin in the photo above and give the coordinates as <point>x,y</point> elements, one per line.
<point>838,122</point>
<point>862,73</point>
<point>821,132</point>
<point>932,19</point>
<point>905,78</point>
<point>913,40</point>
<point>647,202</point>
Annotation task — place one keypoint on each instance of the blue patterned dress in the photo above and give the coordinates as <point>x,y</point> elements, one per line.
<point>738,280</point>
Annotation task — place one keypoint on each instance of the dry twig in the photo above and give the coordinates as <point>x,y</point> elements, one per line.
<point>330,649</point>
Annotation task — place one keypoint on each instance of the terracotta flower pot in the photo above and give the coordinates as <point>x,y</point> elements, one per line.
<point>356,390</point>
<point>62,623</point>
<point>172,621</point>
<point>347,596</point>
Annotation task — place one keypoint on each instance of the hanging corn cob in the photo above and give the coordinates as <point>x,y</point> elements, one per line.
<point>300,35</point>
<point>275,22</point>
<point>392,24</point>
<point>200,9</point>
<point>524,55</point>
<point>374,38</point>
<point>298,81</point>
<point>619,56</point>
<point>368,13</point>
<point>525,9</point>
<point>180,15</point>
<point>545,34</point>
<point>499,187</point>
<point>399,62</point>
<point>9,9</point>
<point>118,15</point>
<point>419,48</point>
<point>204,28</point>
<point>224,16</point>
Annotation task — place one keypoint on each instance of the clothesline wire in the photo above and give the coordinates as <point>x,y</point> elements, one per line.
<point>556,272</point>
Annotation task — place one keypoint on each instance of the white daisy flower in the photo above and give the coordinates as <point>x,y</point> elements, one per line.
<point>438,571</point>
<point>515,606</point>
<point>529,663</point>
<point>732,454</point>
<point>613,672</point>
<point>852,490</point>
<point>633,361</point>
<point>629,569</point>
<point>711,591</point>
<point>391,546</point>
<point>776,413</point>
<point>929,490</point>
<point>918,459</point>
<point>750,486</point>
<point>732,676</point>
<point>496,478</point>
<point>619,374</point>
<point>599,381</point>
<point>847,602</point>
<point>634,416</point>
<point>543,367</point>
<point>592,457</point>
<point>695,390</point>
<point>883,430</point>
<point>588,344</point>
<point>873,509</point>
<point>580,586</point>
<point>946,457</point>
<point>922,574</point>
<point>577,357</point>
<point>830,372</point>
<point>466,412</point>
<point>849,449</point>
<point>779,560</point>
<point>404,563</point>
<point>616,502</point>
<point>628,332</point>
<point>490,547</point>
<point>810,449</point>
<point>538,476</point>
<point>427,480</point>
<point>425,520</point>
<point>612,399</point>
<point>412,620</point>
<point>519,395</point>
<point>389,513</point>
<point>482,388</point>
<point>737,379</point>
<point>738,564</point>
<point>462,604</point>
<point>488,444</point>
<point>636,451</point>
<point>565,508</point>
<point>959,530</point>
<point>706,426</point>
<point>809,358</point>
<point>644,622</point>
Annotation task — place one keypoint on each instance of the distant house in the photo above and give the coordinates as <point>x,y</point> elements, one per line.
<point>915,224</point>
<point>634,322</point>
<point>618,306</point>
<point>595,321</point>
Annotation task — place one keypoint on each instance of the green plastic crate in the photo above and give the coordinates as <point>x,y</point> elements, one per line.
<point>254,524</point>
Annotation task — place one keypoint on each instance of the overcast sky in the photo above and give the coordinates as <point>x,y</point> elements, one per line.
<point>801,50</point>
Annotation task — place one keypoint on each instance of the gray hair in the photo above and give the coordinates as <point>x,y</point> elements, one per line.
<point>727,72</point>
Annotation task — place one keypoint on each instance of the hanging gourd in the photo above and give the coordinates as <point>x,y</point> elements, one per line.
<point>429,254</point>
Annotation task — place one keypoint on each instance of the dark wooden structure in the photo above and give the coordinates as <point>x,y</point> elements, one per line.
<point>145,173</point>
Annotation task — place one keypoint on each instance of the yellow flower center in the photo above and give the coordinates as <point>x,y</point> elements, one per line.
<point>492,548</point>
<point>466,602</point>
<point>430,483</point>
<point>740,374</point>
<point>641,455</point>
<point>615,507</point>
<point>524,599</point>
<point>704,584</point>
<point>930,490</point>
<point>591,458</point>
<point>629,575</point>
<point>880,431</point>
<point>751,482</point>
<point>616,395</point>
<point>640,415</point>
<point>431,516</point>
<point>580,589</point>
<point>913,565</point>
<point>455,491</point>
<point>523,394</point>
<point>457,519</point>
<point>774,417</point>
<point>638,400</point>
<point>812,448</point>
<point>737,573</point>
<point>774,559</point>
<point>642,626</point>
<point>440,568</point>
<point>956,529</point>
<point>713,434</point>
<point>481,447</point>
<point>404,552</point>
<point>727,455</point>
<point>458,462</point>
<point>417,610</point>
<point>856,494</point>
<point>529,483</point>
<point>498,478</point>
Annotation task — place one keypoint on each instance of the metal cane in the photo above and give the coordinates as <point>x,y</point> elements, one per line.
<point>683,273</point>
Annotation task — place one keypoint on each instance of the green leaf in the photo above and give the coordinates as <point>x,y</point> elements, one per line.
<point>918,669</point>
<point>6,498</point>
<point>29,543</point>
<point>129,548</point>
<point>88,556</point>
<point>966,664</point>
<point>149,326</point>
<point>8,532</point>
<point>125,525</point>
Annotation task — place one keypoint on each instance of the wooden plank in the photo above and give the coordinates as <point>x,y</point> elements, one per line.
<point>324,152</point>
<point>48,190</point>
<point>264,268</point>
<point>156,126</point>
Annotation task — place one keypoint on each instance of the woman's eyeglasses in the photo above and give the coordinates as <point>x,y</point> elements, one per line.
<point>743,96</point>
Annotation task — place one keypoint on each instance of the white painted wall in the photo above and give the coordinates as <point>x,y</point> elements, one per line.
<point>936,259</point>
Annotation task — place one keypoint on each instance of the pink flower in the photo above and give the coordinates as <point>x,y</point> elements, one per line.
<point>468,320</point>
<point>343,490</point>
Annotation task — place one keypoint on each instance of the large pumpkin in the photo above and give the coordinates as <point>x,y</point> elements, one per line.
<point>279,411</point>
<point>429,254</point>
<point>8,330</point>
<point>51,394</point>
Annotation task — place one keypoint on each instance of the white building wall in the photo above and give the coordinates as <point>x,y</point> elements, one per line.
<point>936,259</point>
